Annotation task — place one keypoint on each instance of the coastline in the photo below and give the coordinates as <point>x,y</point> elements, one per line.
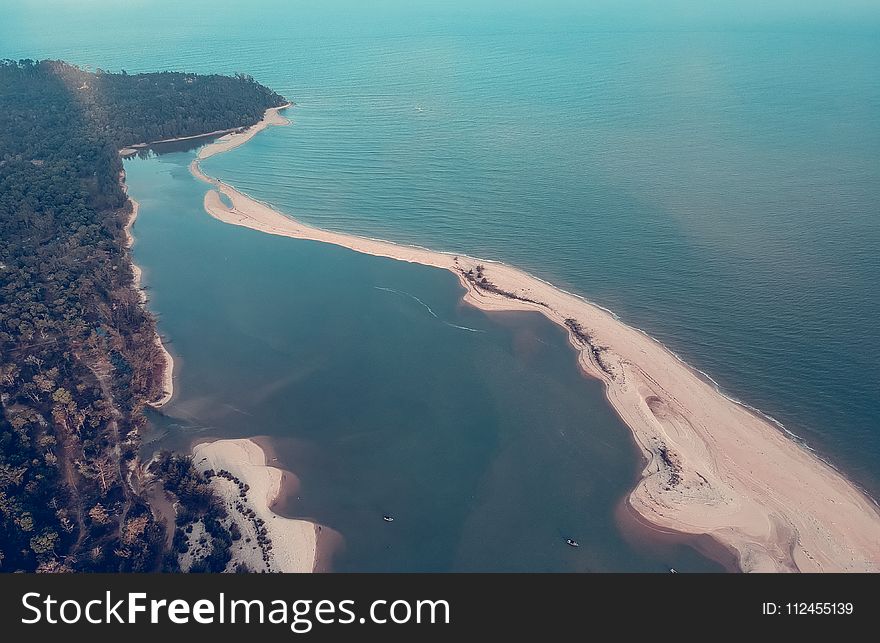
<point>713,465</point>
<point>131,150</point>
<point>290,545</point>
<point>168,369</point>
<point>234,138</point>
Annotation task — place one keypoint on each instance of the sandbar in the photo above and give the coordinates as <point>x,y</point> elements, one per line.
<point>712,465</point>
<point>289,545</point>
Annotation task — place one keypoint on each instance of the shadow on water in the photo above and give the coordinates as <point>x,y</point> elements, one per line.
<point>386,395</point>
<point>174,147</point>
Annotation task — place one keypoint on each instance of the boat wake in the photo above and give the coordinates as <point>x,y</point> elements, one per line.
<point>430,310</point>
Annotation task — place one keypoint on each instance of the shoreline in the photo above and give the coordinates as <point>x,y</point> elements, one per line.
<point>137,272</point>
<point>270,117</point>
<point>329,541</point>
<point>713,465</point>
<point>291,545</point>
<point>646,536</point>
<point>131,150</point>
<point>234,138</point>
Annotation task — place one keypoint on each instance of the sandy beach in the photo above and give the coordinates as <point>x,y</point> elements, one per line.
<point>292,545</point>
<point>168,370</point>
<point>713,466</point>
<point>235,139</point>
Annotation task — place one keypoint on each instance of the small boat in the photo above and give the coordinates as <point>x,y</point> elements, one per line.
<point>672,570</point>
<point>572,543</point>
<point>388,518</point>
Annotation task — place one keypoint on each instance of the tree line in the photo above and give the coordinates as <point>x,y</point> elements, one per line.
<point>77,358</point>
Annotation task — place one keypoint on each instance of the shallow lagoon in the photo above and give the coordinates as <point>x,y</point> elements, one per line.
<point>386,394</point>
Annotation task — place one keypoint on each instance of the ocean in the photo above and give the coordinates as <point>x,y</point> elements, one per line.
<point>717,188</point>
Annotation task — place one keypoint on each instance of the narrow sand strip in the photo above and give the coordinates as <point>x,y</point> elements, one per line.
<point>713,466</point>
<point>291,545</point>
<point>168,370</point>
<point>234,139</point>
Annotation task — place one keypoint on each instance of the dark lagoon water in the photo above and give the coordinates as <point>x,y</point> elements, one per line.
<point>714,181</point>
<point>385,394</point>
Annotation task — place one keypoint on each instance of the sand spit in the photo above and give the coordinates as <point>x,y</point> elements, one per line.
<point>713,467</point>
<point>249,488</point>
<point>236,138</point>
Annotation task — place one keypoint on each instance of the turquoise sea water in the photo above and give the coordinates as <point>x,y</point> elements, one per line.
<point>716,187</point>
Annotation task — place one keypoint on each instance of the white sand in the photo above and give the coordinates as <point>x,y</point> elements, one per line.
<point>234,139</point>
<point>294,542</point>
<point>713,466</point>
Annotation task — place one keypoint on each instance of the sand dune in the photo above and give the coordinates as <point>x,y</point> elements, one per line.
<point>713,466</point>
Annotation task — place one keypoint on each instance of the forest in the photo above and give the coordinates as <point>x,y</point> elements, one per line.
<point>78,361</point>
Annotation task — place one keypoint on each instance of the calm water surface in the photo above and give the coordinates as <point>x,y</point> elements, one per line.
<point>718,188</point>
<point>386,395</point>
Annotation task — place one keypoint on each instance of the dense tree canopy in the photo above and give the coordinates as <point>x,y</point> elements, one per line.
<point>77,356</point>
